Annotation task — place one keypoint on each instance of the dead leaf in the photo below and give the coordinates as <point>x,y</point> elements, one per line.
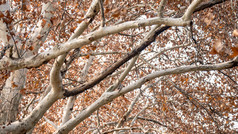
<point>23,91</point>
<point>87,56</point>
<point>209,18</point>
<point>1,15</point>
<point>218,45</point>
<point>14,85</point>
<point>31,48</point>
<point>234,52</point>
<point>235,33</point>
<point>43,23</point>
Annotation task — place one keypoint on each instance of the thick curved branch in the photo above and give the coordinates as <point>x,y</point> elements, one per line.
<point>19,127</point>
<point>109,96</point>
<point>179,70</point>
<point>55,94</point>
<point>148,40</point>
<point>37,60</point>
<point>187,15</point>
<point>151,37</point>
<point>55,75</point>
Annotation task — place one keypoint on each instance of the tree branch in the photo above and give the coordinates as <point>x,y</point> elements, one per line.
<point>109,96</point>
<point>187,15</point>
<point>38,60</point>
<point>147,41</point>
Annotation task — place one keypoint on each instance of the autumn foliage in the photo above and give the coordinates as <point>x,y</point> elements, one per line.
<point>102,76</point>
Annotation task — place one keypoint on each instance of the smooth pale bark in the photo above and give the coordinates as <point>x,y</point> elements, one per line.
<point>54,95</point>
<point>20,127</point>
<point>37,60</point>
<point>92,12</point>
<point>109,96</point>
<point>10,95</point>
<point>55,80</point>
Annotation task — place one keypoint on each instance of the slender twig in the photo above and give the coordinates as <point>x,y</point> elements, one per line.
<point>50,122</point>
<point>15,44</point>
<point>102,13</point>
<point>193,100</point>
<point>143,109</point>
<point>130,108</point>
<point>27,107</point>
<point>161,8</point>
<point>119,129</point>
<point>98,122</point>
<point>228,77</point>
<point>131,35</point>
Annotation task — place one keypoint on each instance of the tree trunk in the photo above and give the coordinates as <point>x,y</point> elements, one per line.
<point>10,96</point>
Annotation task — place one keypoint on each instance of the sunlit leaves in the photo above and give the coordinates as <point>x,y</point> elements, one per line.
<point>235,33</point>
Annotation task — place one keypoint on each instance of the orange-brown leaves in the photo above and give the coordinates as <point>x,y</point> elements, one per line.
<point>116,14</point>
<point>93,48</point>
<point>106,2</point>
<point>8,37</point>
<point>25,6</point>
<point>23,91</point>
<point>55,21</point>
<point>14,85</point>
<point>31,48</point>
<point>7,17</point>
<point>72,29</point>
<point>234,52</point>
<point>87,56</point>
<point>1,15</point>
<point>107,10</point>
<point>2,2</point>
<point>43,22</point>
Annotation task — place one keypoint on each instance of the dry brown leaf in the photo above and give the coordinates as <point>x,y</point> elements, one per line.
<point>235,33</point>
<point>209,18</point>
<point>218,45</point>
<point>14,85</point>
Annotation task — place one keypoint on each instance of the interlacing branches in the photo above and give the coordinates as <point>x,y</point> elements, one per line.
<point>63,55</point>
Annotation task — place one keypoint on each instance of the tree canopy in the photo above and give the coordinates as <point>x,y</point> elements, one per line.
<point>115,66</point>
